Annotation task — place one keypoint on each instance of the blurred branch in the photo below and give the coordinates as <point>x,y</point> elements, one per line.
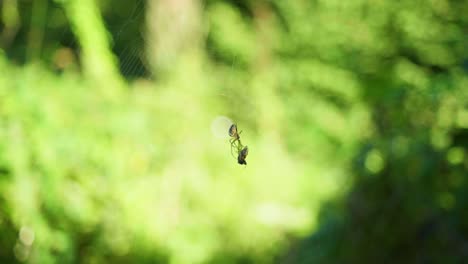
<point>271,110</point>
<point>174,27</point>
<point>11,21</point>
<point>36,32</point>
<point>98,61</point>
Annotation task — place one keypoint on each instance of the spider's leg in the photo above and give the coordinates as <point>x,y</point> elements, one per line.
<point>232,146</point>
<point>239,146</point>
<point>232,141</point>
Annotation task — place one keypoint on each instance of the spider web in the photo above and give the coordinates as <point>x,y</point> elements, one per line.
<point>133,62</point>
<point>131,55</point>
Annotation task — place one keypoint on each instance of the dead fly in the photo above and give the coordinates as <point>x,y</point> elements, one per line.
<point>242,156</point>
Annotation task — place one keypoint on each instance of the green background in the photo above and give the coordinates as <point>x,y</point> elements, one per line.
<point>355,114</point>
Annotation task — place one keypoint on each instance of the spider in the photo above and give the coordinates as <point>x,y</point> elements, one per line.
<point>235,137</point>
<point>242,156</point>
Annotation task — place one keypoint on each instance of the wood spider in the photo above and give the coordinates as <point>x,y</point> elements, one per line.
<point>235,138</point>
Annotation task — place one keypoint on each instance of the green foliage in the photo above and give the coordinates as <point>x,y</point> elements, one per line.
<point>98,179</point>
<point>354,114</point>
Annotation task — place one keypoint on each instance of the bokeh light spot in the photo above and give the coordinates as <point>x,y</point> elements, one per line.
<point>26,235</point>
<point>220,126</point>
<point>374,161</point>
<point>456,155</point>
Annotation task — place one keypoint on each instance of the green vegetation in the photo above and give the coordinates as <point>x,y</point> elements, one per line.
<point>355,114</point>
